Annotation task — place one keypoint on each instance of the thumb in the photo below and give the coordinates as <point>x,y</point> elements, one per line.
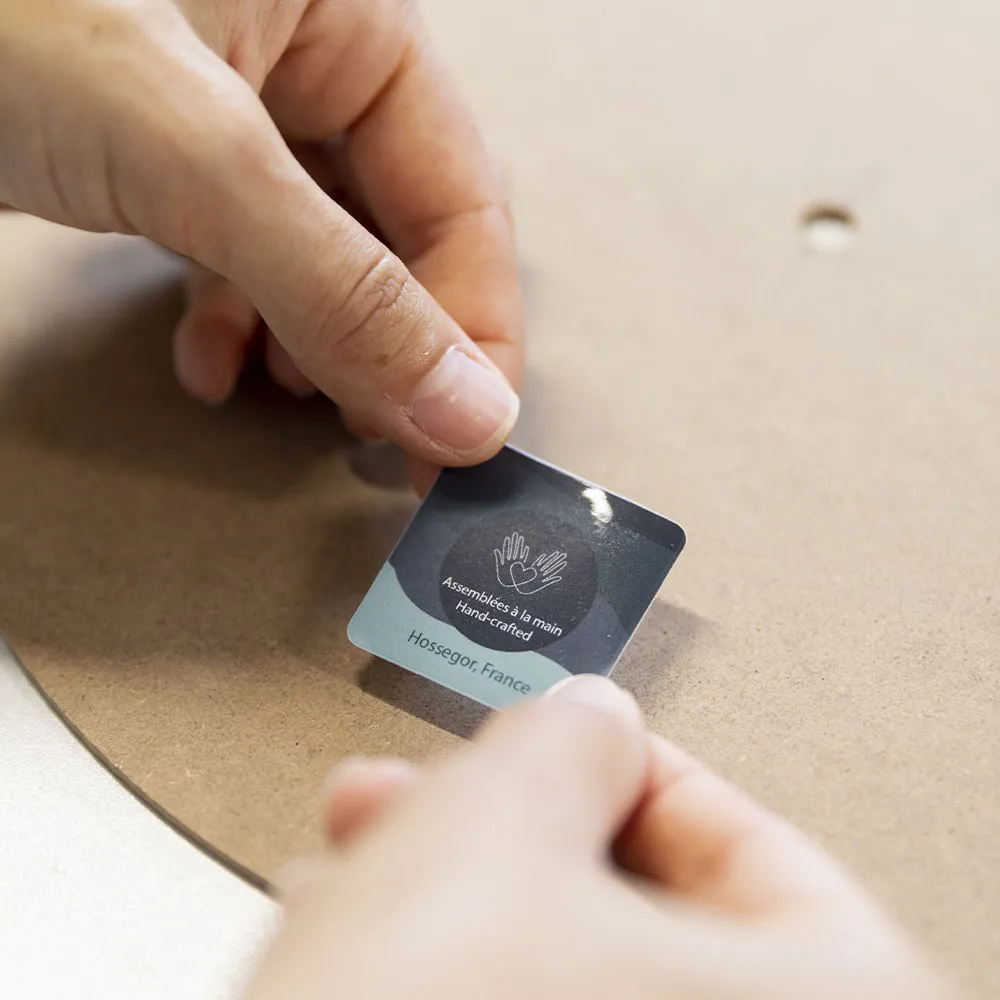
<point>348,312</point>
<point>562,772</point>
<point>360,326</point>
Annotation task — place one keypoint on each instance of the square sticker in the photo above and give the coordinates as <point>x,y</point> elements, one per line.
<point>513,576</point>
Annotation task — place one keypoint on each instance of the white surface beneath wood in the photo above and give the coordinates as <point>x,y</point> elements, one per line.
<point>99,898</point>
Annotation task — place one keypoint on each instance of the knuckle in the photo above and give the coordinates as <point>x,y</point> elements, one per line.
<point>380,317</point>
<point>211,164</point>
<point>237,133</point>
<point>197,207</point>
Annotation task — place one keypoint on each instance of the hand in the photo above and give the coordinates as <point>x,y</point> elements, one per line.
<point>490,877</point>
<point>174,119</point>
<point>542,573</point>
<point>514,551</point>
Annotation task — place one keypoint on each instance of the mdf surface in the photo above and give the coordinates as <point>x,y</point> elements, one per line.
<point>824,425</point>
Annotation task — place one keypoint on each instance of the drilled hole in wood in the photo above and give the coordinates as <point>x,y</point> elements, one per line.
<point>829,228</point>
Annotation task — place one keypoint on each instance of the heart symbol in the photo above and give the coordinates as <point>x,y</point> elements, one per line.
<point>521,575</point>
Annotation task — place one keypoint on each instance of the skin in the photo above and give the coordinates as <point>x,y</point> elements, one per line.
<point>242,134</point>
<point>491,876</point>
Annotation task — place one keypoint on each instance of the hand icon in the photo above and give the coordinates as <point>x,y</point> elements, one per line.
<point>513,552</point>
<point>546,570</point>
<point>513,569</point>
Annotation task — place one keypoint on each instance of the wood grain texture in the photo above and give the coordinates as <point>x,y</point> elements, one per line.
<point>825,426</point>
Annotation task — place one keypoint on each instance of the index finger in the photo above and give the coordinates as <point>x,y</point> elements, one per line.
<point>364,70</point>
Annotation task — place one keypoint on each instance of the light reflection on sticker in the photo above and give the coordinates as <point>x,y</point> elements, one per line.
<point>600,507</point>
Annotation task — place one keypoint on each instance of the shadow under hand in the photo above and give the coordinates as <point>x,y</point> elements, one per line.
<point>134,521</point>
<point>649,666</point>
<point>419,697</point>
<point>99,384</point>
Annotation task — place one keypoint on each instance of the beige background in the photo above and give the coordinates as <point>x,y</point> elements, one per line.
<point>824,425</point>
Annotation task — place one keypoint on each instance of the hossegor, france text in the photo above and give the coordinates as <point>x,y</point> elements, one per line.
<point>459,659</point>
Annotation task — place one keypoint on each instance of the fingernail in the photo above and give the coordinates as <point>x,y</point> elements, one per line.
<point>592,691</point>
<point>381,768</point>
<point>345,769</point>
<point>464,405</point>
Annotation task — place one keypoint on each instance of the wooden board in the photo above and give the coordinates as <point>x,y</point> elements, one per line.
<point>825,425</point>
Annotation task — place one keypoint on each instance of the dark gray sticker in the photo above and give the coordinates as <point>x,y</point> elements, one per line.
<point>519,571</point>
<point>518,581</point>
